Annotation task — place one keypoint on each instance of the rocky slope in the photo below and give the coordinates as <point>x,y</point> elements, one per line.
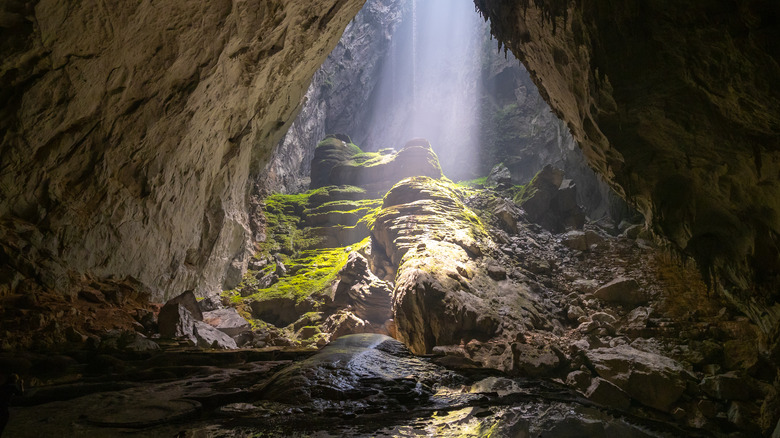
<point>129,132</point>
<point>674,105</point>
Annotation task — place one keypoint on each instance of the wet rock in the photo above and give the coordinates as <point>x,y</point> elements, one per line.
<point>374,368</point>
<point>226,320</point>
<point>651,379</point>
<point>606,393</point>
<point>623,291</point>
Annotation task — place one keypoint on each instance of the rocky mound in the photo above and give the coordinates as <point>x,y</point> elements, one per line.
<point>337,162</point>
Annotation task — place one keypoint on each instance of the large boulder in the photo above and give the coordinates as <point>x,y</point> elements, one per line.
<point>207,336</point>
<point>551,201</point>
<point>623,291</point>
<point>651,379</point>
<point>227,320</point>
<point>437,243</point>
<point>175,321</point>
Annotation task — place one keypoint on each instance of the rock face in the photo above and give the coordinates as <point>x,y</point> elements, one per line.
<point>361,289</point>
<point>686,129</point>
<point>147,120</point>
<point>335,101</point>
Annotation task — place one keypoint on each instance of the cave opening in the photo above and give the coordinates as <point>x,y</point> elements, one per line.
<point>237,236</point>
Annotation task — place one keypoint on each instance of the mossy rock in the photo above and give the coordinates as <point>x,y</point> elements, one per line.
<point>337,163</point>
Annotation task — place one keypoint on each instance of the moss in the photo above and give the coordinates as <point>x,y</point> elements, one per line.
<point>319,269</point>
<point>473,183</point>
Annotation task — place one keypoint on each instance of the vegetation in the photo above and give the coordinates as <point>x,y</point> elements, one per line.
<point>477,183</point>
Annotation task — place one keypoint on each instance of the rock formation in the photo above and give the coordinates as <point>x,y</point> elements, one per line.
<point>673,104</point>
<point>146,120</point>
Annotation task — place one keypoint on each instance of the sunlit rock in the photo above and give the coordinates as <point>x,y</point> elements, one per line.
<point>436,242</point>
<point>337,162</point>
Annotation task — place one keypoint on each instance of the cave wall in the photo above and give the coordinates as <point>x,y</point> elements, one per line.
<point>676,105</point>
<point>129,132</point>
<point>338,95</point>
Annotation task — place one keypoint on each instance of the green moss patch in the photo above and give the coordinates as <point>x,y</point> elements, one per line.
<point>316,271</point>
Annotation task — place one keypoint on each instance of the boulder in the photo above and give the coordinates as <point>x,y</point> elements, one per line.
<point>227,320</point>
<point>533,361</point>
<point>551,201</point>
<point>727,386</point>
<point>207,336</point>
<point>175,321</point>
<point>189,302</point>
<point>141,343</point>
<point>623,291</point>
<point>651,379</point>
<point>606,393</point>
<point>507,213</point>
<point>210,303</point>
<point>499,176</point>
<point>581,240</point>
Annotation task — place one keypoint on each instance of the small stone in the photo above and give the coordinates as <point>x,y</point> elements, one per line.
<point>574,313</point>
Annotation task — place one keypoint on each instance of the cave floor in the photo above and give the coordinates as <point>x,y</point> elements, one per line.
<point>187,393</point>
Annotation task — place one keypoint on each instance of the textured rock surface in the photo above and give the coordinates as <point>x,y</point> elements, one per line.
<point>651,379</point>
<point>335,101</point>
<point>436,242</point>
<point>551,201</point>
<point>675,106</point>
<point>129,132</point>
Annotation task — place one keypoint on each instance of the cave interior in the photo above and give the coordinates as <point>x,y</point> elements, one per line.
<point>390,218</point>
